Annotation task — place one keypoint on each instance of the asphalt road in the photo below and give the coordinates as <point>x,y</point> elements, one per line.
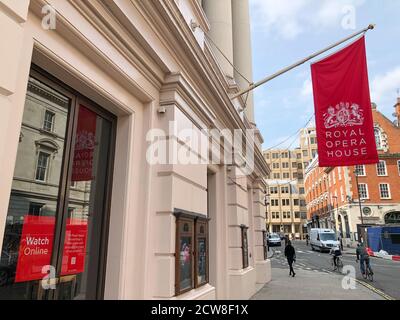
<point>386,272</point>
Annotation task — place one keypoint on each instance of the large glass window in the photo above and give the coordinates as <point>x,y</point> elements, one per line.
<point>52,232</point>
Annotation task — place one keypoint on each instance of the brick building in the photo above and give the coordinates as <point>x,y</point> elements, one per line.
<point>333,197</point>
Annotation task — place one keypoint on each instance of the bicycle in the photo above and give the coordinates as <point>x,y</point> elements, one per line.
<point>339,264</point>
<point>368,272</point>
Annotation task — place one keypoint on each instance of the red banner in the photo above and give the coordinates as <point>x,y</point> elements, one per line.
<point>84,145</point>
<point>35,248</point>
<point>345,129</point>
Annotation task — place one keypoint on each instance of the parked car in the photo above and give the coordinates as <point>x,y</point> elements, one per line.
<point>274,240</point>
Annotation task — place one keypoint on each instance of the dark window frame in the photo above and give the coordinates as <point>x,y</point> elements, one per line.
<point>46,122</point>
<point>40,169</point>
<point>77,98</point>
<point>245,246</point>
<point>195,220</point>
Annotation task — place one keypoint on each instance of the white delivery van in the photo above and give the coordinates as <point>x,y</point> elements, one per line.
<point>323,239</point>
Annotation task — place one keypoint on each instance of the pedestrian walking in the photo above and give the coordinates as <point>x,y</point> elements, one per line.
<point>290,254</point>
<point>307,238</point>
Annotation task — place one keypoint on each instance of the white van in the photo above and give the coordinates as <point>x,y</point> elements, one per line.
<point>323,239</point>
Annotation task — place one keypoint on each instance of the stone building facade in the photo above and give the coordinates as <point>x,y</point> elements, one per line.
<point>86,89</point>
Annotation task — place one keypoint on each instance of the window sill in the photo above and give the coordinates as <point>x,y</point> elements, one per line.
<point>197,293</point>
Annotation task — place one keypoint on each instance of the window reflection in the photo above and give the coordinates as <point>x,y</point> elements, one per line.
<point>29,231</point>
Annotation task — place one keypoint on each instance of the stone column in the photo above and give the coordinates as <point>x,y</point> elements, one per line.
<point>242,53</point>
<point>219,14</point>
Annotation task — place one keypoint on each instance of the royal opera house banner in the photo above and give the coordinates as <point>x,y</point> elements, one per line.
<point>344,123</point>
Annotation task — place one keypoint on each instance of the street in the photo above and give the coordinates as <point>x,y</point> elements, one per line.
<point>314,269</point>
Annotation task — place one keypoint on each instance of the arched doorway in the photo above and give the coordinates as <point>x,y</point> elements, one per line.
<point>392,217</point>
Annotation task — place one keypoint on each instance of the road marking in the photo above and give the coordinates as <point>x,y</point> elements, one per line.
<point>377,291</point>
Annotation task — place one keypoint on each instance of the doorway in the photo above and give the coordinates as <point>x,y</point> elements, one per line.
<point>55,239</point>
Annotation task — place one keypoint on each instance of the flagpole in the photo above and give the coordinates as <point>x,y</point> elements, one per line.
<point>277,74</point>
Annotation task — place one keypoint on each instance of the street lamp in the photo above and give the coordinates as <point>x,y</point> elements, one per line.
<point>337,209</point>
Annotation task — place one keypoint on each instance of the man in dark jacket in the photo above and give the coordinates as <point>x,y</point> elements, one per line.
<point>290,254</point>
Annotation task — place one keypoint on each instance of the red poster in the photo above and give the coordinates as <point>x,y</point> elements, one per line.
<point>74,253</point>
<point>35,248</point>
<point>84,145</point>
<point>344,122</point>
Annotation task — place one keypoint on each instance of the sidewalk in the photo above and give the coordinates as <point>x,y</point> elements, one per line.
<point>311,285</point>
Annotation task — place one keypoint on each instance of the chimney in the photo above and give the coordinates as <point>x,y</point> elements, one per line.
<point>397,111</point>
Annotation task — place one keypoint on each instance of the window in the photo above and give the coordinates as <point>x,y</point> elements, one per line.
<point>384,191</point>
<point>286,175</point>
<point>305,153</point>
<point>285,155</point>
<point>35,209</point>
<point>297,215</point>
<point>266,156</point>
<point>275,165</point>
<point>314,153</point>
<point>277,176</point>
<point>286,215</point>
<point>191,262</point>
<point>275,202</point>
<point>303,215</point>
<point>363,190</point>
<point>299,156</point>
<point>301,190</point>
<point>275,156</point>
<point>302,203</point>
<point>48,123</point>
<point>360,170</point>
<point>285,202</point>
<point>284,189</point>
<point>275,215</point>
<point>378,138</point>
<point>295,175</point>
<point>245,247</point>
<point>296,202</point>
<point>294,165</point>
<point>42,165</point>
<point>299,176</point>
<point>300,166</point>
<point>273,190</point>
<point>381,168</point>
<point>42,209</point>
<point>285,165</point>
<point>201,257</point>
